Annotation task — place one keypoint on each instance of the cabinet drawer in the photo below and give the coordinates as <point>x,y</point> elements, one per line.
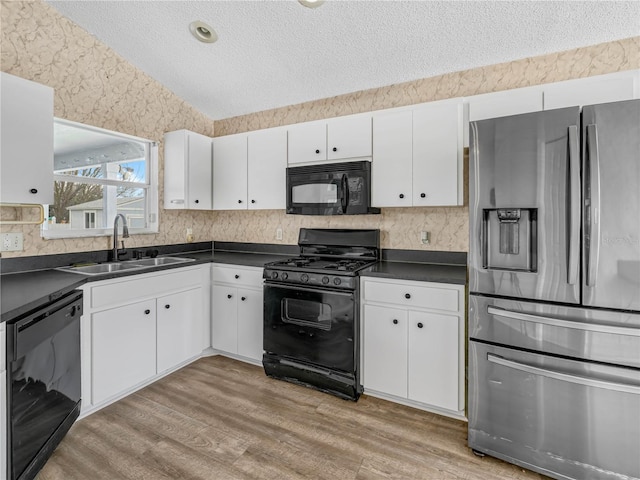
<point>143,286</point>
<point>413,294</point>
<point>237,275</point>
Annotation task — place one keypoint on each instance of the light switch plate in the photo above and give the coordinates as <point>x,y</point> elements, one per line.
<point>12,242</point>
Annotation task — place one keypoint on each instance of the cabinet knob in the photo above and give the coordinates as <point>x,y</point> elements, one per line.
<point>423,195</point>
<point>253,201</point>
<point>407,295</point>
<point>167,306</point>
<point>395,321</point>
<point>401,195</point>
<point>229,296</point>
<point>317,151</point>
<point>420,325</point>
<point>33,190</point>
<point>197,201</point>
<point>147,312</point>
<point>239,201</point>
<point>335,149</point>
<point>243,298</point>
<point>237,276</point>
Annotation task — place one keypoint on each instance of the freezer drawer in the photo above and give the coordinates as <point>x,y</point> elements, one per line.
<point>583,333</point>
<point>563,418</point>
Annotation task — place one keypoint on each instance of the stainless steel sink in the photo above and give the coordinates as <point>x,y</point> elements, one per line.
<point>104,268</point>
<point>154,262</point>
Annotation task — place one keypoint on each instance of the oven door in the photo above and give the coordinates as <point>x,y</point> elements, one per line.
<point>314,325</point>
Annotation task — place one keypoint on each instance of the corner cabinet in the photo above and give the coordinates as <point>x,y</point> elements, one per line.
<point>413,343</point>
<point>26,142</point>
<point>187,171</point>
<point>335,139</point>
<point>137,328</point>
<point>249,170</point>
<point>418,155</point>
<point>237,311</point>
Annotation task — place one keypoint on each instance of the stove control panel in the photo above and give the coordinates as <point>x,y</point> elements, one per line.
<point>343,282</point>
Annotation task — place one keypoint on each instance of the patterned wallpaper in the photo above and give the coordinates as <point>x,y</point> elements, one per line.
<point>94,85</point>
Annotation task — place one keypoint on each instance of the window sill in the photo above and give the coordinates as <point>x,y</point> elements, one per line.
<point>108,232</point>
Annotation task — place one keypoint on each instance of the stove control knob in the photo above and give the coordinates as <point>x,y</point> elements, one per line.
<point>274,274</point>
<point>304,278</point>
<point>325,280</point>
<point>337,281</point>
<point>284,276</point>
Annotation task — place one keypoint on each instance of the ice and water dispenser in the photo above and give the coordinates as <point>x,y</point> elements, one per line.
<point>509,239</point>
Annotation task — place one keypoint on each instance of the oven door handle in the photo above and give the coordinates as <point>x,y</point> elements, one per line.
<point>345,193</point>
<point>309,289</point>
<point>565,377</point>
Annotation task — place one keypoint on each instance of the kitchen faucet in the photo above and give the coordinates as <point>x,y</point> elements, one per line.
<point>125,234</point>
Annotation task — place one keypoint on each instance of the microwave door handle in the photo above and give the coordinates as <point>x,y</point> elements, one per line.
<point>345,193</point>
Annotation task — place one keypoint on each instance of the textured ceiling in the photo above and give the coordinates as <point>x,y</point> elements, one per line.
<point>275,53</point>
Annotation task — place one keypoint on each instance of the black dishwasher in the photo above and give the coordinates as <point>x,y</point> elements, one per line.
<point>43,383</point>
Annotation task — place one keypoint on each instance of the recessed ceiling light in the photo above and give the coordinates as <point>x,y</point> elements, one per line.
<point>311,3</point>
<point>203,32</point>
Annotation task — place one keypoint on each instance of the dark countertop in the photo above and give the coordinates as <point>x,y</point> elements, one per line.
<point>24,291</point>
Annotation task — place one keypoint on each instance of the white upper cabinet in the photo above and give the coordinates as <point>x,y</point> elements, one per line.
<point>592,90</point>
<point>505,103</point>
<point>187,171</point>
<point>417,155</point>
<point>330,140</point>
<point>392,168</point>
<point>26,144</point>
<point>438,153</point>
<point>267,164</point>
<point>230,172</point>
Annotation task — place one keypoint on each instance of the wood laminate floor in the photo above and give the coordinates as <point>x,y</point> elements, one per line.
<point>223,419</point>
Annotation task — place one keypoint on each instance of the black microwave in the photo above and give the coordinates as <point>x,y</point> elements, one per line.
<point>330,189</point>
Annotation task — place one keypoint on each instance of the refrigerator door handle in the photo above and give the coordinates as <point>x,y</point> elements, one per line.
<point>557,322</point>
<point>592,204</point>
<point>565,377</point>
<point>574,207</point>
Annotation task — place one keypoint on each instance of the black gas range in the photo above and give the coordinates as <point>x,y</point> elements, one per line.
<point>311,310</point>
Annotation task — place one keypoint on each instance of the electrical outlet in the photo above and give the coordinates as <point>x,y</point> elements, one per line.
<point>425,237</point>
<point>12,242</point>
<point>278,234</point>
<point>189,235</point>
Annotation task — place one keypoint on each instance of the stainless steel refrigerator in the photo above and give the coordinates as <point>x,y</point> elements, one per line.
<point>554,290</point>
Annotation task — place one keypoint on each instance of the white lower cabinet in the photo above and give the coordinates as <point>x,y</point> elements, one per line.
<point>413,352</point>
<point>152,323</point>
<point>123,347</point>
<point>237,309</point>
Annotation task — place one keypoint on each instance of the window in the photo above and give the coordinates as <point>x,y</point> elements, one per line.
<point>97,175</point>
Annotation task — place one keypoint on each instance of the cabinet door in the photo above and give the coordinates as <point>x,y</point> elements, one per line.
<point>250,313</point>
<point>3,420</point>
<point>307,142</point>
<point>434,359</point>
<point>224,314</point>
<point>437,154</point>
<point>392,159</point>
<point>199,172</point>
<point>502,104</point>
<point>267,169</point>
<point>230,172</point>
<point>349,137</point>
<point>175,181</point>
<point>590,91</point>
<point>26,143</point>
<point>123,348</point>
<point>385,350</point>
<point>180,328</point>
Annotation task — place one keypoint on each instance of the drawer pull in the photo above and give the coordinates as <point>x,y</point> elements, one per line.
<point>229,296</point>
<point>420,325</point>
<point>565,377</point>
<point>147,312</point>
<point>407,296</point>
<point>243,298</point>
<point>237,277</point>
<point>167,306</point>
<point>395,321</point>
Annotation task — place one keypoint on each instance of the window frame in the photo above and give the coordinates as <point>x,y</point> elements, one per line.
<point>151,186</point>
